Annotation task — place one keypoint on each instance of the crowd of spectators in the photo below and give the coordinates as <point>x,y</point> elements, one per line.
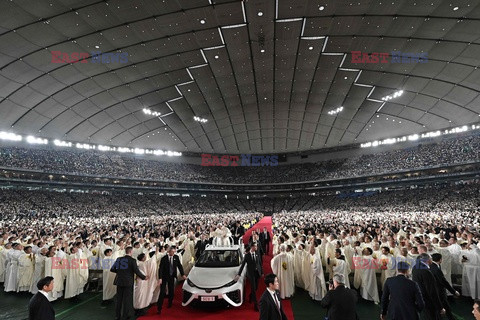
<point>449,151</point>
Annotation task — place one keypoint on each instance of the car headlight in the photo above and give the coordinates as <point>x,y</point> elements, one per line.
<point>231,283</point>
<point>190,283</point>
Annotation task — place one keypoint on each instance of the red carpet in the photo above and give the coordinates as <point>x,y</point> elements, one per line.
<point>244,312</point>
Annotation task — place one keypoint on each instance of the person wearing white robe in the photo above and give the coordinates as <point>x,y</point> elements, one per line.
<point>357,266</point>
<point>25,270</point>
<point>282,266</point>
<point>141,294</point>
<point>11,278</point>
<point>318,288</point>
<point>387,265</point>
<point>298,257</point>
<point>340,266</point>
<point>307,274</point>
<point>368,288</point>
<point>471,272</point>
<point>109,289</point>
<point>54,268</point>
<point>3,260</point>
<point>39,269</point>
<point>446,260</point>
<point>222,236</point>
<point>75,276</point>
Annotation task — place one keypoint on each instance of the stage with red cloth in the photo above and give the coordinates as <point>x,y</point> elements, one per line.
<point>244,312</point>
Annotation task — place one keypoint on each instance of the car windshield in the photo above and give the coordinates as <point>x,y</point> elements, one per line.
<point>219,259</point>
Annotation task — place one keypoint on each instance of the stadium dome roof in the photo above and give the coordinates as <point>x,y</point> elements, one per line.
<point>269,76</point>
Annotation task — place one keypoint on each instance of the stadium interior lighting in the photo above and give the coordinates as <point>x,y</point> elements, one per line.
<point>151,113</point>
<point>333,112</point>
<point>35,140</point>
<point>10,136</point>
<point>395,95</point>
<point>198,119</point>
<point>60,143</point>
<point>415,137</point>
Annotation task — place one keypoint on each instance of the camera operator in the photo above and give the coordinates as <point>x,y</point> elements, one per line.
<point>340,301</point>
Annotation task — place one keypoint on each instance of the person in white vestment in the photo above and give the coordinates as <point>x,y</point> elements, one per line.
<point>471,272</point>
<point>282,266</point>
<point>340,266</point>
<point>3,260</point>
<point>11,278</point>
<point>141,292</point>
<point>25,270</point>
<point>53,268</point>
<point>75,275</point>
<point>446,260</point>
<point>39,269</point>
<point>222,236</point>
<point>387,265</point>
<point>109,289</point>
<point>299,255</point>
<point>368,288</point>
<point>318,288</point>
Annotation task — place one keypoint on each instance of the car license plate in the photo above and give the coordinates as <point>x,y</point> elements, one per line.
<point>207,299</point>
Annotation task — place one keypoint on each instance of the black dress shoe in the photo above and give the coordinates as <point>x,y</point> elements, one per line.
<point>255,307</point>
<point>169,305</point>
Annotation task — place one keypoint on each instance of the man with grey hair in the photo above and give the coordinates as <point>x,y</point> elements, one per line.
<point>340,301</point>
<point>422,275</point>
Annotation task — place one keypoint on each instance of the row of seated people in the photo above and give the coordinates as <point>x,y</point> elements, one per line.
<point>444,152</point>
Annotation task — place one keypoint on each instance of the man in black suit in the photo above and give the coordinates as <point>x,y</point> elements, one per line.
<point>442,284</point>
<point>39,307</point>
<point>401,298</point>
<point>422,275</point>
<point>200,246</point>
<point>340,301</point>
<point>167,273</point>
<point>270,305</point>
<point>254,272</point>
<point>265,240</point>
<point>238,232</point>
<point>125,268</point>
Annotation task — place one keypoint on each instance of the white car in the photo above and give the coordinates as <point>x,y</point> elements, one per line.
<point>212,277</point>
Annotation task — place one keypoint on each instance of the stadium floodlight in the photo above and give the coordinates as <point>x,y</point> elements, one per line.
<point>201,120</point>
<point>396,94</point>
<point>139,151</point>
<point>60,143</point>
<point>124,149</point>
<point>84,146</point>
<point>35,140</point>
<point>10,136</point>
<point>151,113</point>
<point>413,137</point>
<point>105,148</point>
<point>334,112</point>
